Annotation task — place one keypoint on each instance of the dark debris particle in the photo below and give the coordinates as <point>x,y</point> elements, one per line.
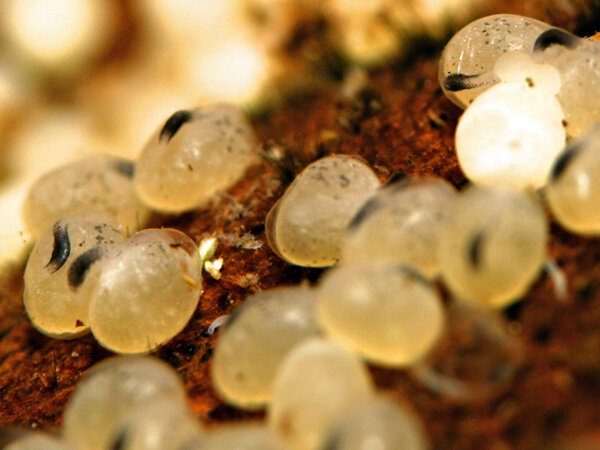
<point>542,335</point>
<point>513,311</point>
<point>61,249</point>
<point>207,355</point>
<point>173,124</point>
<point>586,292</point>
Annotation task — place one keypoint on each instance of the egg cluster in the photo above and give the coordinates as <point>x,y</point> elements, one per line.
<point>301,352</point>
<point>87,273</point>
<point>139,403</point>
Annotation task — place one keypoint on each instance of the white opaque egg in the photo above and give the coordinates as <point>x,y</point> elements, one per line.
<point>147,292</point>
<point>467,62</point>
<point>194,154</point>
<point>512,132</point>
<point>386,313</point>
<point>379,423</point>
<point>493,245</point>
<point>578,62</point>
<point>109,391</point>
<point>63,269</point>
<point>573,190</point>
<point>315,386</point>
<point>401,224</point>
<point>255,340</point>
<point>99,183</point>
<point>307,224</point>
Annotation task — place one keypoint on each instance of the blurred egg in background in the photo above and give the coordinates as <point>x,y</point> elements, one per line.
<point>83,77</point>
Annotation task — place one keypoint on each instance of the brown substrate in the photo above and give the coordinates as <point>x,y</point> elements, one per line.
<point>401,121</point>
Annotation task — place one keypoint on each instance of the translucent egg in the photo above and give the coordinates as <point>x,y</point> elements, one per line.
<point>99,183</point>
<point>238,437</point>
<point>513,131</point>
<point>146,293</point>
<point>193,155</point>
<point>379,423</point>
<point>63,269</point>
<point>578,61</point>
<point>109,391</point>
<point>39,441</point>
<point>467,62</point>
<point>493,245</point>
<point>573,190</point>
<point>315,386</point>
<point>386,313</point>
<point>163,423</point>
<point>400,224</point>
<point>256,339</point>
<point>306,226</point>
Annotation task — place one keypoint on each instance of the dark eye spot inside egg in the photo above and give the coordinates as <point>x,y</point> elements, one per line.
<point>173,124</point>
<point>555,36</point>
<point>475,250</point>
<point>61,249</point>
<point>124,167</point>
<point>118,442</point>
<point>459,82</point>
<point>365,211</point>
<point>79,268</point>
<point>563,160</point>
<point>400,177</point>
<point>414,275</point>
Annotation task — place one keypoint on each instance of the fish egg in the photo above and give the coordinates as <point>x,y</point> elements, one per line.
<point>573,191</point>
<point>255,340</point>
<point>238,437</point>
<point>379,423</point>
<point>147,292</point>
<point>400,224</point>
<point>578,62</point>
<point>99,183</point>
<point>315,386</point>
<point>386,313</point>
<point>193,155</point>
<point>467,62</point>
<point>63,269</point>
<point>110,390</point>
<point>307,224</point>
<point>493,245</point>
<point>512,132</point>
<point>163,423</point>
